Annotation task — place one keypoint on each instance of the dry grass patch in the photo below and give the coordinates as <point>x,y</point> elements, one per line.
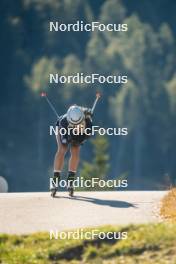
<point>168,208</point>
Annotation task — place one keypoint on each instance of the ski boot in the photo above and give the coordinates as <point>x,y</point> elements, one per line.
<point>70,181</point>
<point>54,187</point>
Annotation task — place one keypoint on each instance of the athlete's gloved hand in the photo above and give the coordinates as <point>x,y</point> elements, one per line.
<point>88,112</point>
<point>64,140</point>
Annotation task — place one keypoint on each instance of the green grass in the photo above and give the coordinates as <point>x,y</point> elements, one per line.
<point>155,243</point>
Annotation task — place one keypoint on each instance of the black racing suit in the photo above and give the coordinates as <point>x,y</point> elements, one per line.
<point>70,138</point>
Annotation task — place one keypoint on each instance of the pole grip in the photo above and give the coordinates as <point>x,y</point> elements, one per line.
<point>98,95</point>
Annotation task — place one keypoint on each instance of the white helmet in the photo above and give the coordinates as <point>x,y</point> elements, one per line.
<point>75,115</point>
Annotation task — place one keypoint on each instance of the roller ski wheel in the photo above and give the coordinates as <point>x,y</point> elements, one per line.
<point>53,192</point>
<point>71,191</point>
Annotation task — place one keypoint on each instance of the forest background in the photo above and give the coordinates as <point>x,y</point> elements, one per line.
<point>145,105</point>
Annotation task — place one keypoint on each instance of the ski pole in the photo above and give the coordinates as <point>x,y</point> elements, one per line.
<point>49,102</point>
<point>98,95</point>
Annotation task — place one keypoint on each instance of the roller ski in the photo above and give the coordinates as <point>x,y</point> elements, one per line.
<point>71,191</point>
<point>54,183</point>
<point>70,183</point>
<point>53,192</point>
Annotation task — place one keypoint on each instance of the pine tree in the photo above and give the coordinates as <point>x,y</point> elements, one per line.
<point>99,167</point>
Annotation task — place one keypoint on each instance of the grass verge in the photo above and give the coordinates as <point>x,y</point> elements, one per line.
<point>152,243</point>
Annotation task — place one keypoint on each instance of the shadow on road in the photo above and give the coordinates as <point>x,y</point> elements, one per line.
<point>111,203</point>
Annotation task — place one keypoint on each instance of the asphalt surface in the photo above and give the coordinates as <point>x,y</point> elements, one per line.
<point>22,213</point>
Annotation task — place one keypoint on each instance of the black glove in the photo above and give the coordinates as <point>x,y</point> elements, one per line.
<point>88,113</point>
<point>64,139</point>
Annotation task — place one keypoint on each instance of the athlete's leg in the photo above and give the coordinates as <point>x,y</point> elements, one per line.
<point>60,155</point>
<point>73,165</point>
<point>58,162</point>
<point>74,159</point>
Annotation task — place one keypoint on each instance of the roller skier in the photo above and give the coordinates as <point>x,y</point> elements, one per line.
<point>79,119</point>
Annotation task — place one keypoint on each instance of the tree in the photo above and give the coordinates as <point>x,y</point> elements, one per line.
<point>99,166</point>
<point>142,104</point>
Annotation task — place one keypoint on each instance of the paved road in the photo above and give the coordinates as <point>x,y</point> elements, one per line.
<point>31,212</point>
